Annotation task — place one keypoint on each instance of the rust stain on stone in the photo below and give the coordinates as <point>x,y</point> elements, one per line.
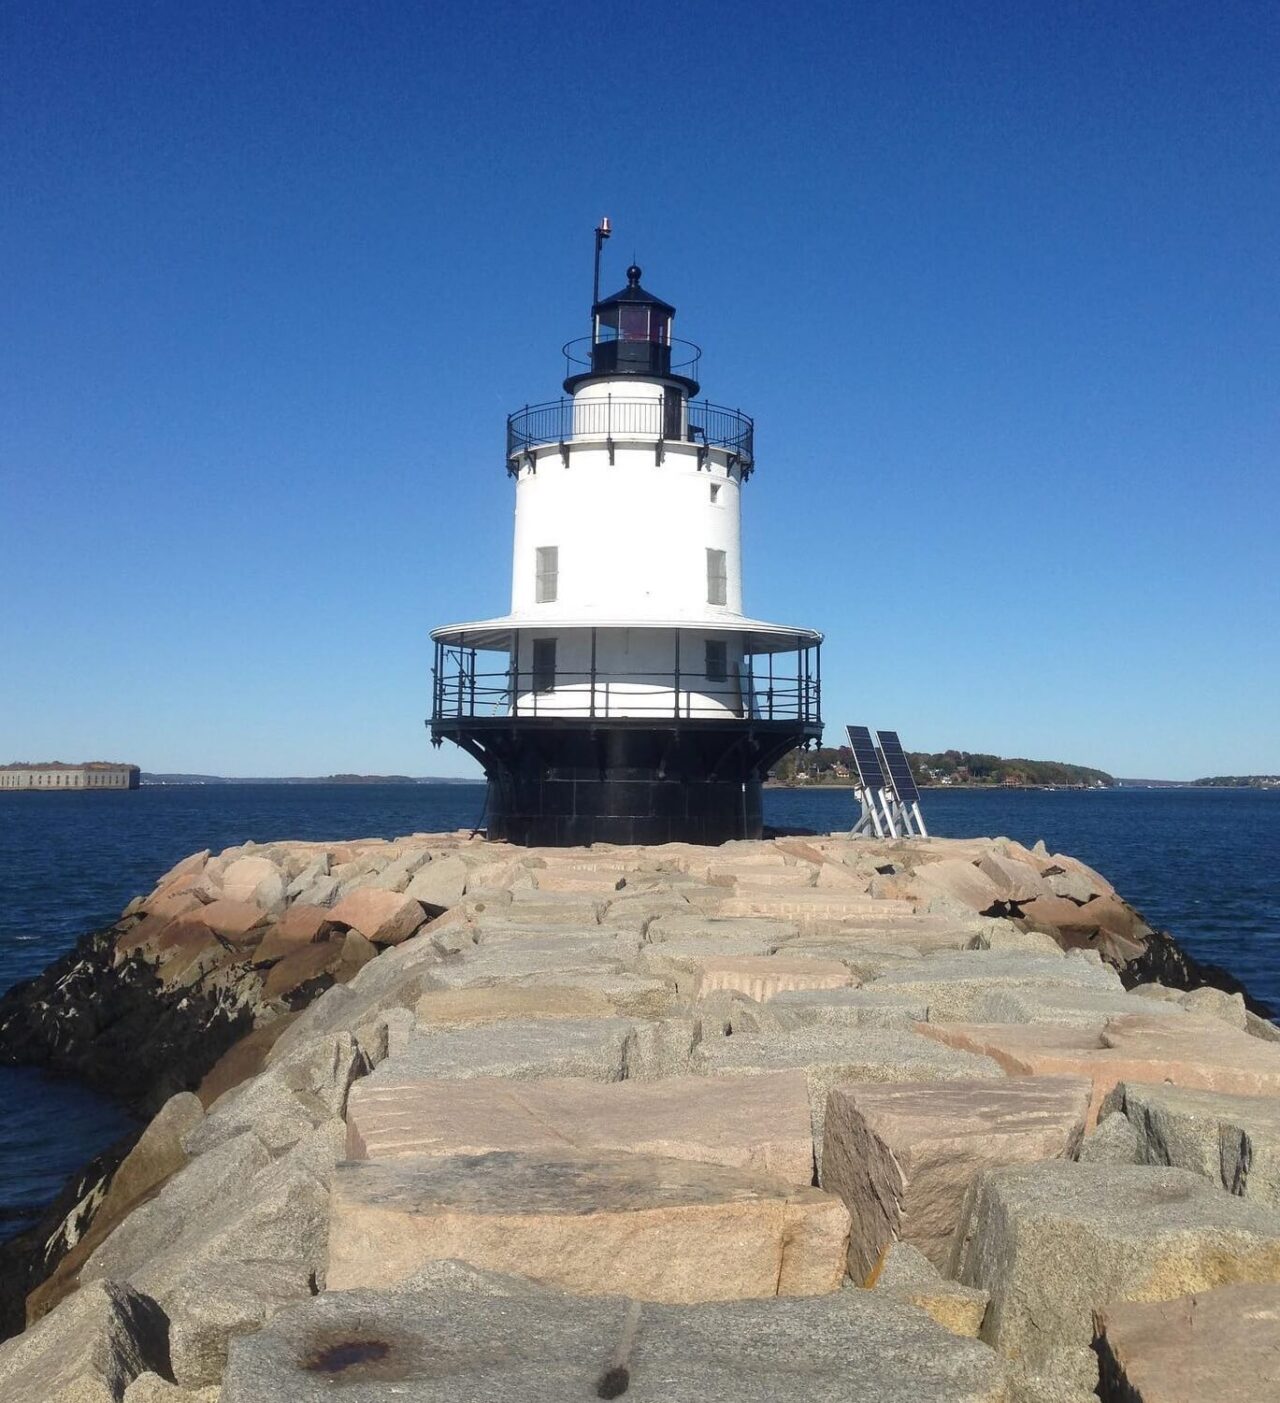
<point>369,1357</point>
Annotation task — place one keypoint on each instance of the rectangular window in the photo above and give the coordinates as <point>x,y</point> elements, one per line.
<point>717,578</point>
<point>715,491</point>
<point>544,664</point>
<point>672,407</point>
<point>717,661</point>
<point>548,581</point>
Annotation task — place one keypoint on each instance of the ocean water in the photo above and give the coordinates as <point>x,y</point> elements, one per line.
<point>1204,864</point>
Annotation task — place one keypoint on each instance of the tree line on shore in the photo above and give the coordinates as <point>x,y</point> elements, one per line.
<point>834,765</point>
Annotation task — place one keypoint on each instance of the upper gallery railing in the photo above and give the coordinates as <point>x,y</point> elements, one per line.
<point>676,420</point>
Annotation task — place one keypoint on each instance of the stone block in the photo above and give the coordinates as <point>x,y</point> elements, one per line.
<point>549,908</point>
<point>903,1156</point>
<point>596,881</point>
<point>1055,913</point>
<point>302,967</point>
<point>158,1155</point>
<point>953,985</point>
<point>1262,1028</point>
<point>323,892</point>
<point>1068,1007</point>
<point>1015,881</point>
<point>1138,1047</point>
<point>1074,886</point>
<point>384,917</point>
<point>151,1388</point>
<point>1053,1242</point>
<point>356,953</point>
<point>847,1008</point>
<point>206,1190</point>
<point>504,957</point>
<point>1114,1142</point>
<point>759,874</point>
<point>524,1050</point>
<point>1059,863</point>
<point>90,1348</point>
<point>759,977</point>
<point>1217,1003</point>
<point>506,1341</point>
<point>1214,1347</point>
<point>646,1227</point>
<point>233,920</point>
<point>1007,937</point>
<point>288,1100</point>
<point>961,881</point>
<point>440,884</point>
<point>829,1056</point>
<point>1232,1140</point>
<point>395,980</point>
<point>763,937</point>
<point>312,871</point>
<point>188,866</point>
<point>757,1123</point>
<point>300,925</point>
<point>229,1241</point>
<point>906,1274</point>
<point>811,909</point>
<point>169,905</point>
<point>256,880</point>
<point>501,1003</point>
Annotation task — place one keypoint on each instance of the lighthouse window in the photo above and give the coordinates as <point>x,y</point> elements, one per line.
<point>717,661</point>
<point>548,578</point>
<point>717,578</point>
<point>544,664</point>
<point>715,491</point>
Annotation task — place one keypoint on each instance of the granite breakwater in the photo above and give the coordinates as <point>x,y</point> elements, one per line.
<point>618,1119</point>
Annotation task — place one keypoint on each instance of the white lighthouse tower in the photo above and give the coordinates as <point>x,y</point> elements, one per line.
<point>627,697</point>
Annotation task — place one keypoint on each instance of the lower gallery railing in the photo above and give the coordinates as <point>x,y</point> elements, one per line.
<point>759,690</point>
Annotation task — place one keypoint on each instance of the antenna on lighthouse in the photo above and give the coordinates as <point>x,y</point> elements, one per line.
<point>603,230</point>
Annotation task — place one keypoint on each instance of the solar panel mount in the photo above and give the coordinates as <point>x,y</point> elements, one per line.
<point>865,757</point>
<point>899,767</point>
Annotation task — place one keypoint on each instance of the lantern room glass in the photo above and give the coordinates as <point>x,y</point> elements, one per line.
<point>634,321</point>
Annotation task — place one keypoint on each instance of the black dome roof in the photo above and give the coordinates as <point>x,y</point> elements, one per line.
<point>633,293</point>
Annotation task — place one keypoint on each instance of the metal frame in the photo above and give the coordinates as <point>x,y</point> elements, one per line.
<point>461,692</point>
<point>566,421</point>
<point>870,791</point>
<point>905,812</point>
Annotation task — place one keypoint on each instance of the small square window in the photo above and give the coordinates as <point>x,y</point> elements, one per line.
<point>717,577</point>
<point>547,584</point>
<point>717,661</point>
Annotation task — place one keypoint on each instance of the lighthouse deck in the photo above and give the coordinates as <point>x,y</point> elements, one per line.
<point>771,678</point>
<point>619,418</point>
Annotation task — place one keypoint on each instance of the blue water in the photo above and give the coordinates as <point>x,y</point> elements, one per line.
<point>1204,864</point>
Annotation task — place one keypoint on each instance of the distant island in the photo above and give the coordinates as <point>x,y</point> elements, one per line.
<point>1239,782</point>
<point>946,769</point>
<point>833,765</point>
<point>150,779</point>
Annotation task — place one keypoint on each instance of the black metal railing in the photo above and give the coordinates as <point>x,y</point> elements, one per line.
<point>612,417</point>
<point>613,355</point>
<point>765,687</point>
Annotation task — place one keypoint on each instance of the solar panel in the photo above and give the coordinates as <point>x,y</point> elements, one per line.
<point>865,758</point>
<point>899,768</point>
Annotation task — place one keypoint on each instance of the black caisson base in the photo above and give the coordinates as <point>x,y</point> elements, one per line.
<point>568,783</point>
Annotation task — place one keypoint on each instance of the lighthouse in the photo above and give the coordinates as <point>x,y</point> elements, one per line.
<point>627,697</point>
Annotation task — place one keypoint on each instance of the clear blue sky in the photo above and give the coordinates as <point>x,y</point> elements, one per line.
<point>998,281</point>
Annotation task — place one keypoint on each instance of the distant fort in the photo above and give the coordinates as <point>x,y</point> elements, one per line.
<point>93,774</point>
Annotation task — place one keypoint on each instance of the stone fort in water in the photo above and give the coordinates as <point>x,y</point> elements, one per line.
<point>92,774</point>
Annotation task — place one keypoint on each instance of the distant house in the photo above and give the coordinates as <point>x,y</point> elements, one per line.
<point>92,774</point>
